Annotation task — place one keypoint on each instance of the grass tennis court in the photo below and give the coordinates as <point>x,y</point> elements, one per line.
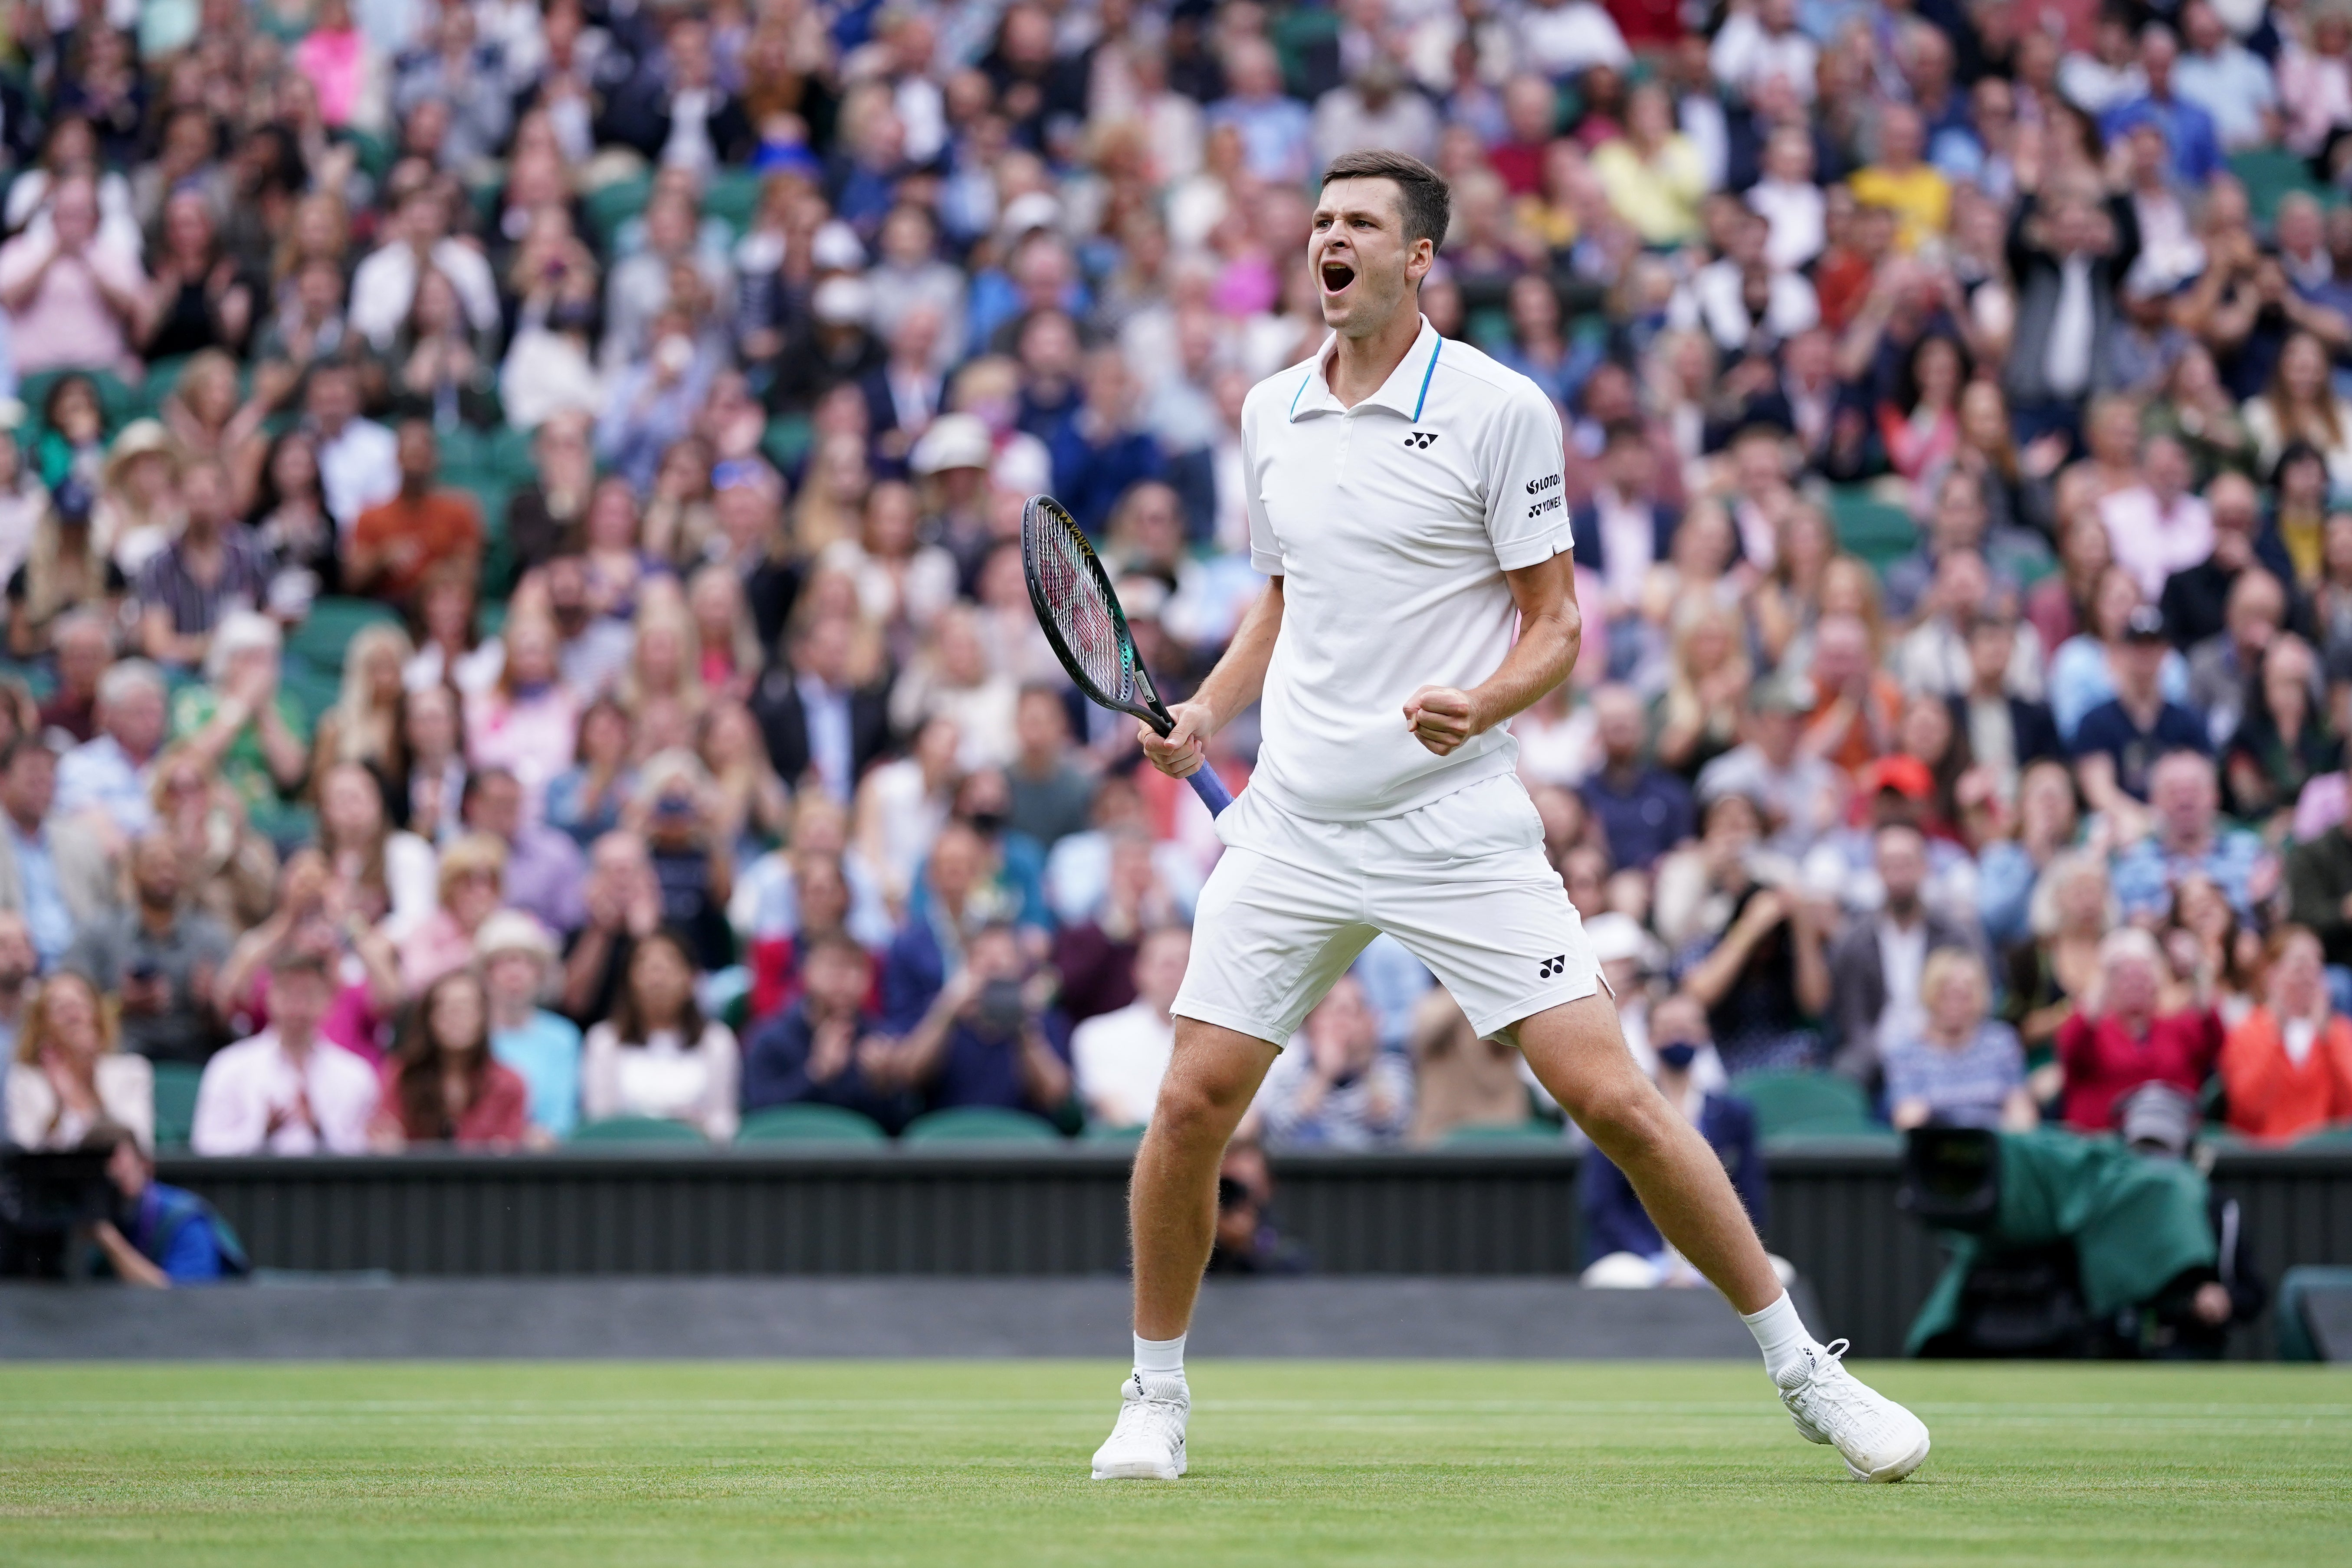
<point>939,1463</point>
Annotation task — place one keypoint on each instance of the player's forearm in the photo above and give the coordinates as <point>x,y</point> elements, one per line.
<point>1239,679</point>
<point>1546,651</point>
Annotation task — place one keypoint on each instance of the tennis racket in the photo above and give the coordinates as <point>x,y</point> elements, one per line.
<point>1073,598</point>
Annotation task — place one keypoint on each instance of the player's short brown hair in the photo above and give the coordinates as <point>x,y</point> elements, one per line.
<point>1421,191</point>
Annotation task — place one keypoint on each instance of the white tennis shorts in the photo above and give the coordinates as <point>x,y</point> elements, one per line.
<point>1462,882</point>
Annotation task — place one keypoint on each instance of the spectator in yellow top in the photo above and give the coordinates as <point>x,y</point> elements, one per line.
<point>1651,175</point>
<point>1914,192</point>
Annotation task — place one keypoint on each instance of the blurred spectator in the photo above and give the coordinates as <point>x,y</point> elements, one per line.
<point>72,287</point>
<point>657,1055</point>
<point>1096,955</point>
<point>826,1047</point>
<point>544,866</point>
<point>1960,1068</point>
<point>1460,1080</point>
<point>2117,1040</point>
<point>159,958</point>
<point>2118,742</point>
<point>159,1235</point>
<point>107,775</point>
<point>70,1075</point>
<point>240,726</point>
<point>35,863</point>
<point>1052,796</point>
<point>2286,1066</point>
<point>1247,1241</point>
<point>1644,810</point>
<point>2188,838</point>
<point>1877,966</point>
<point>517,960</point>
<point>1119,1057</point>
<point>287,1089</point>
<point>1621,1246</point>
<point>2318,875</point>
<point>212,568</point>
<point>441,1084</point>
<point>816,716</point>
<point>397,543</point>
<point>472,878</point>
<point>989,1035</point>
<point>1337,1089</point>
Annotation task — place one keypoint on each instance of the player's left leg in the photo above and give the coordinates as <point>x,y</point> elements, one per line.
<point>1464,885</point>
<point>1577,1052</point>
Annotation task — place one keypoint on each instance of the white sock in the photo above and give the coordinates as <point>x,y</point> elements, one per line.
<point>1160,1356</point>
<point>1780,1334</point>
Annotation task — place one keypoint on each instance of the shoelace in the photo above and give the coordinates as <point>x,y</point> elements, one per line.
<point>1159,1418</point>
<point>1824,1394</point>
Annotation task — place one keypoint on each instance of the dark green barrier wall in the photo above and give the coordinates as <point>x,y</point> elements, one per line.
<point>1064,1211</point>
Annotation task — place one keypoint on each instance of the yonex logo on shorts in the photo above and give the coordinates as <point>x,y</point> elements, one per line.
<point>1421,440</point>
<point>1556,964</point>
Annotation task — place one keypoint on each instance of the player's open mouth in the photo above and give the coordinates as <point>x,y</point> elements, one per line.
<point>1337,275</point>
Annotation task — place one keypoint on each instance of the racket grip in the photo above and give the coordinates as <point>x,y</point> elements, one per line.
<point>1211,789</point>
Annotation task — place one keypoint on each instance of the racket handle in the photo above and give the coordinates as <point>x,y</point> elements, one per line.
<point>1211,789</point>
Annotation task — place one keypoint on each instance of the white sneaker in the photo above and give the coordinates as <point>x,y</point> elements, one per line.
<point>1148,1444</point>
<point>1879,1440</point>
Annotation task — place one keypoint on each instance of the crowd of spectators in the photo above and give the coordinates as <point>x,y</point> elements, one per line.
<point>510,522</point>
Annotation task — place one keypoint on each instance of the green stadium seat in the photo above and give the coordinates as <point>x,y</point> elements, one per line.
<point>809,1124</point>
<point>1104,1137</point>
<point>980,1124</point>
<point>1879,532</point>
<point>176,1102</point>
<point>2337,1136</point>
<point>328,630</point>
<point>787,441</point>
<point>2270,175</point>
<point>609,206</point>
<point>2294,1340</point>
<point>1804,1104</point>
<point>637,1129</point>
<point>1528,1134</point>
<point>733,197</point>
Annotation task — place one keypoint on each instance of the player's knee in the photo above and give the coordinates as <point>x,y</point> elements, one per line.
<point>1190,1111</point>
<point>1619,1112</point>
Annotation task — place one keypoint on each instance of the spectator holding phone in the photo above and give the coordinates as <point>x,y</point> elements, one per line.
<point>989,1037</point>
<point>159,958</point>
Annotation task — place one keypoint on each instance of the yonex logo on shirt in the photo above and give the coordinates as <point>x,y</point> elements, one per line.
<point>1421,440</point>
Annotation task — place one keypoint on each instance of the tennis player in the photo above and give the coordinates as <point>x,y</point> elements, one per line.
<point>1405,504</point>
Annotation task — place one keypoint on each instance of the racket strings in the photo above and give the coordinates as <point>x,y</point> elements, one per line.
<point>1080,612</point>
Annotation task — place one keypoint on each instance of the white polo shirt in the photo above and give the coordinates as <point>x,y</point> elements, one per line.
<point>1392,524</point>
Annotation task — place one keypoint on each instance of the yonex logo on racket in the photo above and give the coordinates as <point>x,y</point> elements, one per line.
<point>1421,440</point>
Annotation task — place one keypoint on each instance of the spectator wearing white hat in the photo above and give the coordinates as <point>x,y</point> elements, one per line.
<point>517,956</point>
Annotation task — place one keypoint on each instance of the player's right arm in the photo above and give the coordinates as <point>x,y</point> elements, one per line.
<point>1234,685</point>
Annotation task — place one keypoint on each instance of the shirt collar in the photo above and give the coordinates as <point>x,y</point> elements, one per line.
<point>1406,391</point>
